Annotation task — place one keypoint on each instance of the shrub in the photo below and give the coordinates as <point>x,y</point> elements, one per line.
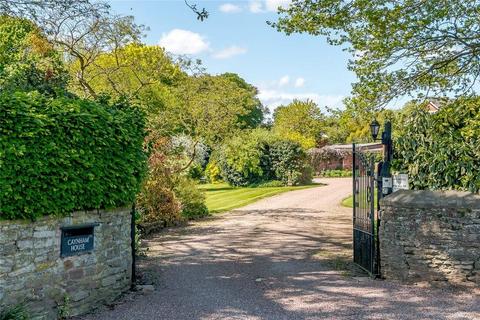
<point>289,162</point>
<point>63,154</point>
<point>335,173</point>
<point>213,172</point>
<point>268,184</point>
<point>195,171</point>
<point>157,203</point>
<point>441,150</point>
<point>244,159</point>
<point>191,198</point>
<point>17,312</point>
<point>307,175</point>
<point>257,156</point>
<point>168,196</point>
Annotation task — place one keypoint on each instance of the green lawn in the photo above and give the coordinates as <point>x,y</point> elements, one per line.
<point>221,197</point>
<point>348,202</point>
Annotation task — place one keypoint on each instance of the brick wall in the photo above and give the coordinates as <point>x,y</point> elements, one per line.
<point>32,270</point>
<point>431,236</point>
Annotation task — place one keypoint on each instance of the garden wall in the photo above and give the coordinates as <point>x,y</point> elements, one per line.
<point>431,236</point>
<point>33,270</point>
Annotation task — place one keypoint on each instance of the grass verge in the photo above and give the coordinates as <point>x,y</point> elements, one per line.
<point>221,197</point>
<point>348,202</point>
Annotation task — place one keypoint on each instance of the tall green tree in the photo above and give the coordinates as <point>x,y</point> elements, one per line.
<point>207,108</point>
<point>28,60</point>
<point>256,111</point>
<point>134,71</point>
<point>81,30</point>
<point>300,121</point>
<point>398,47</point>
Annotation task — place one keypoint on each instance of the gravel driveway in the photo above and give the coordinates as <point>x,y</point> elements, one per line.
<point>285,257</point>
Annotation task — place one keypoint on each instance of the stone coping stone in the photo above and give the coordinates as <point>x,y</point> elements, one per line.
<point>432,199</point>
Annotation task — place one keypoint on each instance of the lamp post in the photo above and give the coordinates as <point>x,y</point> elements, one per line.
<point>384,176</point>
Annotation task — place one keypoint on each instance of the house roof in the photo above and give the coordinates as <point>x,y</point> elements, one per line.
<point>435,103</point>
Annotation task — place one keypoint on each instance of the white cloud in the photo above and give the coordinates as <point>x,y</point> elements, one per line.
<point>283,81</point>
<point>272,5</point>
<point>258,6</point>
<point>255,6</point>
<point>230,8</point>
<point>274,98</point>
<point>299,82</point>
<point>229,52</point>
<point>178,41</point>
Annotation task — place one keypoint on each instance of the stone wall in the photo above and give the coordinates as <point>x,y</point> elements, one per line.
<point>428,236</point>
<point>32,270</point>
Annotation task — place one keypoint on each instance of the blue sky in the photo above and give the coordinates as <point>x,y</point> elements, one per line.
<point>236,38</point>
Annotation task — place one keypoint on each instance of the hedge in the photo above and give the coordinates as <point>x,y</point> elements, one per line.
<point>63,154</point>
<point>442,150</point>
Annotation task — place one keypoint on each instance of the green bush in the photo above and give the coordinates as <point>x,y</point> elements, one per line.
<point>213,172</point>
<point>257,156</point>
<point>441,150</point>
<point>335,173</point>
<point>157,204</point>
<point>17,312</point>
<point>268,184</point>
<point>58,155</point>
<point>289,163</point>
<point>27,60</point>
<point>244,159</point>
<point>191,198</point>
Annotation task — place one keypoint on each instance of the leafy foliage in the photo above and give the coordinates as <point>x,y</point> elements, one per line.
<point>300,121</point>
<point>168,195</point>
<point>63,154</point>
<point>192,199</point>
<point>335,173</point>
<point>244,159</point>
<point>17,312</point>
<point>135,71</point>
<point>213,172</point>
<point>289,163</point>
<point>441,150</point>
<point>157,201</point>
<point>319,158</point>
<point>397,47</point>
<point>208,109</point>
<point>257,156</point>
<point>27,60</point>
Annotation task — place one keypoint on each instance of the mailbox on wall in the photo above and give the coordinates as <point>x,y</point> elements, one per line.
<point>77,239</point>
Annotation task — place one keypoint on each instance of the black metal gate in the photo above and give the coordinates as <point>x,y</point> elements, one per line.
<point>365,218</point>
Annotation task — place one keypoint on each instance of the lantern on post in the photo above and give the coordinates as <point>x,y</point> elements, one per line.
<point>374,129</point>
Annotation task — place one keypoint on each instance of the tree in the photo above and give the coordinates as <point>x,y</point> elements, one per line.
<point>398,47</point>
<point>134,71</point>
<point>81,30</point>
<point>300,121</point>
<point>255,116</point>
<point>206,108</point>
<point>27,60</point>
<point>352,124</point>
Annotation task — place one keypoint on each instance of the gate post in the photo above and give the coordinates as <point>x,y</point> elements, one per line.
<point>354,164</point>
